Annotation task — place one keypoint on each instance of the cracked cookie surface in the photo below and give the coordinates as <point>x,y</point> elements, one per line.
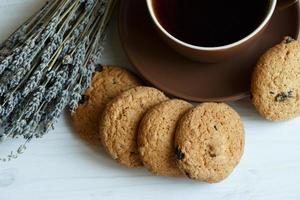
<point>276,82</point>
<point>156,137</point>
<point>209,142</point>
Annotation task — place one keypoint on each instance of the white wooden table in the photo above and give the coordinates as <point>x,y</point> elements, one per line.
<point>62,167</point>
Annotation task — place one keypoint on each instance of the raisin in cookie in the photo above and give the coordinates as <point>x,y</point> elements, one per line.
<point>209,142</point>
<point>107,83</point>
<point>276,82</point>
<point>156,137</point>
<point>120,121</point>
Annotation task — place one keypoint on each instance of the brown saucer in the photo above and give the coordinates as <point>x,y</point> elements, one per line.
<point>190,80</point>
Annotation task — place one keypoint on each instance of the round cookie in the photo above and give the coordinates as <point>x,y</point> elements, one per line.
<point>106,84</point>
<point>276,82</point>
<point>156,137</point>
<point>209,142</point>
<point>120,121</point>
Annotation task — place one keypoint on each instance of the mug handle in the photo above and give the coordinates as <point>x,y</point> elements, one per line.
<point>283,4</point>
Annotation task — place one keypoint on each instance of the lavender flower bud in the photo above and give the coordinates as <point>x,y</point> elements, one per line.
<point>87,78</point>
<point>60,80</point>
<point>35,102</point>
<point>3,89</point>
<point>30,128</point>
<point>75,97</point>
<point>33,82</point>
<point>18,128</point>
<point>9,106</point>
<point>21,149</point>
<point>56,111</point>
<point>5,63</point>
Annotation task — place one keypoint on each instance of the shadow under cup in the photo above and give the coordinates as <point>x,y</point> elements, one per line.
<point>210,31</point>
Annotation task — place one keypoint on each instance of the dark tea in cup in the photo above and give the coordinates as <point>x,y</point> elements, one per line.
<point>210,23</point>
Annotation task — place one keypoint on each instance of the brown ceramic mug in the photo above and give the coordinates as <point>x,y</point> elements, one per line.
<point>217,53</point>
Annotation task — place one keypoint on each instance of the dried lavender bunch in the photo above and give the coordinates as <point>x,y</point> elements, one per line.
<point>47,64</point>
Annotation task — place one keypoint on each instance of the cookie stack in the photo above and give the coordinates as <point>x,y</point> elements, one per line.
<point>140,126</point>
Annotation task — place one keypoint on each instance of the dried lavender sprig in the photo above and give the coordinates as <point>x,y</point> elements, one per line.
<point>58,83</point>
<point>46,57</point>
<point>21,128</point>
<point>41,35</point>
<point>76,33</point>
<point>47,14</point>
<point>55,112</point>
<point>19,35</point>
<point>3,87</point>
<point>100,37</point>
<point>38,73</point>
<point>7,108</point>
<point>35,102</point>
<point>83,84</point>
<point>24,118</point>
<point>75,97</point>
<point>20,55</point>
<point>80,67</point>
<point>27,107</point>
<point>28,131</point>
<point>16,129</point>
<point>14,155</point>
<point>6,62</point>
<point>31,128</point>
<point>75,94</point>
<point>78,29</point>
<point>87,76</point>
